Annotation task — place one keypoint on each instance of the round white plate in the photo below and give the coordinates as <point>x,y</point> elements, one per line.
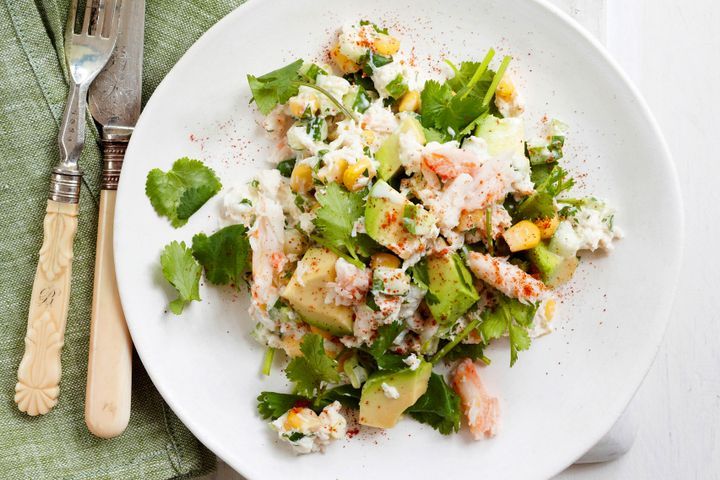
<point>561,396</point>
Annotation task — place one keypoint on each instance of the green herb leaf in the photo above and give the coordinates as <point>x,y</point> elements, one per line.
<point>275,87</point>
<point>362,100</point>
<point>512,317</point>
<point>473,351</point>
<point>313,369</point>
<point>345,394</point>
<point>421,278</point>
<point>313,71</point>
<point>183,272</point>
<point>375,27</point>
<point>397,87</point>
<point>286,167</point>
<point>225,254</point>
<point>439,407</point>
<point>371,61</point>
<point>536,206</point>
<point>339,209</point>
<point>181,191</point>
<point>384,338</point>
<point>273,405</point>
<point>550,181</point>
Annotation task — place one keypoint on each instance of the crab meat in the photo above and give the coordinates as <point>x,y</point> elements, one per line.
<point>267,237</point>
<point>481,410</point>
<point>508,278</point>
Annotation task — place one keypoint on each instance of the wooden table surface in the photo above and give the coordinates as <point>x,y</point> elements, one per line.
<point>671,50</point>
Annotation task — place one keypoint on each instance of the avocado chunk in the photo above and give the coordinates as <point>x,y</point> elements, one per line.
<point>395,222</point>
<point>377,409</point>
<point>502,135</point>
<point>450,288</point>
<point>389,152</point>
<point>554,269</point>
<point>306,295</point>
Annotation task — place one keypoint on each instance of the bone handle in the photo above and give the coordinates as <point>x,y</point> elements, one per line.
<point>38,386</point>
<point>109,381</point>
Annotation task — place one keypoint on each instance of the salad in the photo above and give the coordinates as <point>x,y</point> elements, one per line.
<point>408,222</point>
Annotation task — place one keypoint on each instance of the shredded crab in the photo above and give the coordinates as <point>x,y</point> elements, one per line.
<point>507,278</point>
<point>481,410</point>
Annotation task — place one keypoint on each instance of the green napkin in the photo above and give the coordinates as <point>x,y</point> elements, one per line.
<point>32,95</point>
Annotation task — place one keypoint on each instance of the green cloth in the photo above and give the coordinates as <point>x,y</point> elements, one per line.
<point>32,95</point>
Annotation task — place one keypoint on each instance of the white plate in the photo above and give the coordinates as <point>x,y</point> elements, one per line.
<point>561,396</point>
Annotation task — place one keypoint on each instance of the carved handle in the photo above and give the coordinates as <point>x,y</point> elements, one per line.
<point>107,396</point>
<point>39,373</point>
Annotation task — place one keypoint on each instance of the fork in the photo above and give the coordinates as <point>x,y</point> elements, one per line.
<point>86,53</point>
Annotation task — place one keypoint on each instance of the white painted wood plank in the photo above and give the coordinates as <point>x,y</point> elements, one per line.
<point>670,49</point>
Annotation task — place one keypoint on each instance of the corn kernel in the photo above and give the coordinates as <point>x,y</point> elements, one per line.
<point>343,62</point>
<point>293,421</point>
<point>524,235</point>
<point>354,172</point>
<point>297,105</point>
<point>550,309</point>
<point>386,45</point>
<point>384,260</point>
<point>548,226</point>
<point>301,178</point>
<point>505,89</point>
<point>410,102</point>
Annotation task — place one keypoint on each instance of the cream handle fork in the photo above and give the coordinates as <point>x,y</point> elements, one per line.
<point>38,386</point>
<point>109,380</point>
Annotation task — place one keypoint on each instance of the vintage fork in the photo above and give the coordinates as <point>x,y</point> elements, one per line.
<point>86,53</point>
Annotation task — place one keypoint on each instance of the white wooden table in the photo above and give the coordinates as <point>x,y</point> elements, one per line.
<point>671,50</point>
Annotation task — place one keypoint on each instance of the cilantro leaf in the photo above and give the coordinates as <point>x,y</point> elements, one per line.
<point>275,87</point>
<point>439,407</point>
<point>473,351</point>
<point>225,254</point>
<point>385,337</point>
<point>421,278</point>
<point>443,110</point>
<point>180,268</point>
<point>313,369</point>
<point>536,206</point>
<point>286,167</point>
<point>432,135</point>
<point>454,106</point>
<point>181,191</point>
<point>550,181</point>
<point>466,73</point>
<point>375,27</point>
<point>192,199</point>
<point>345,394</point>
<point>273,405</point>
<point>511,317</point>
<point>339,209</point>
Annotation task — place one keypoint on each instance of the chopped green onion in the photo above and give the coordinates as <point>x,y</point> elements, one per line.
<point>478,73</point>
<point>458,338</point>
<point>496,80</point>
<point>268,360</point>
<point>488,230</point>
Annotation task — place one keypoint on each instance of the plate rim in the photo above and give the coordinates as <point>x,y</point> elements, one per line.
<point>667,159</point>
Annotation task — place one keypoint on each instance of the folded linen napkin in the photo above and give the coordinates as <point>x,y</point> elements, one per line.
<point>32,94</point>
